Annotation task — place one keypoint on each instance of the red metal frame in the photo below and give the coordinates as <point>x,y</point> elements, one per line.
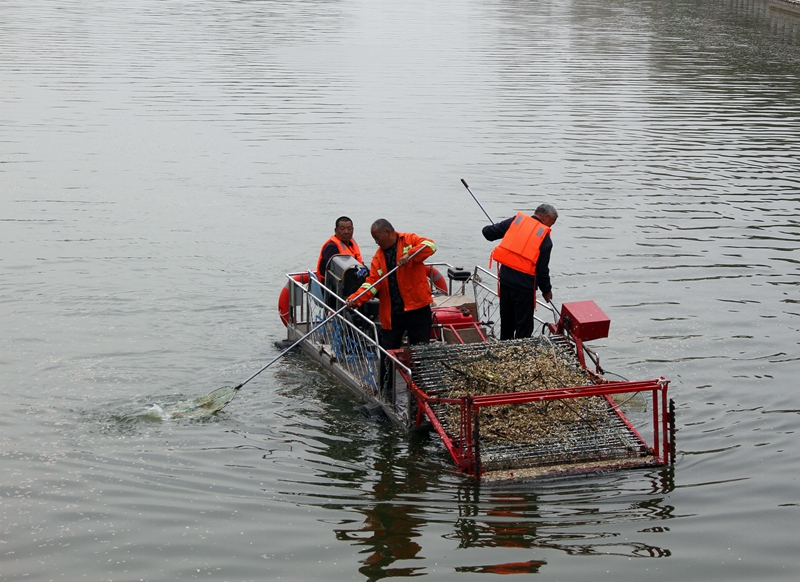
<point>455,328</point>
<point>438,326</point>
<point>465,449</point>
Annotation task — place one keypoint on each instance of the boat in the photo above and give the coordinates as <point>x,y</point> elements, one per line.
<point>510,409</point>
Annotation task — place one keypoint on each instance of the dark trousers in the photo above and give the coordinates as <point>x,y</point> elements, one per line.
<point>516,312</point>
<point>416,322</point>
<point>418,325</point>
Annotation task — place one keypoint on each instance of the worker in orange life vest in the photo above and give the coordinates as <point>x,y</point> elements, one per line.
<point>341,243</point>
<point>524,257</point>
<point>405,295</point>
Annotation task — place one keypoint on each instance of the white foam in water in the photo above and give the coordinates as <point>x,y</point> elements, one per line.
<point>156,410</point>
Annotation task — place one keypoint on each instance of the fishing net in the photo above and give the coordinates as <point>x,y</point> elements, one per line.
<point>203,406</point>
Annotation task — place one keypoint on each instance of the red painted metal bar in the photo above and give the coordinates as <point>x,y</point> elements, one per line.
<point>562,393</point>
<point>579,351</point>
<point>624,419</point>
<point>437,426</point>
<point>656,424</point>
<point>467,455</point>
<point>456,328</point>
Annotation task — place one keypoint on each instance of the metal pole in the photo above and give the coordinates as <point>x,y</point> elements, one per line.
<point>323,322</point>
<point>476,200</point>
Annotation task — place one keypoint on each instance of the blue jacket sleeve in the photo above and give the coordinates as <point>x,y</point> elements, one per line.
<point>543,265</point>
<point>498,230</point>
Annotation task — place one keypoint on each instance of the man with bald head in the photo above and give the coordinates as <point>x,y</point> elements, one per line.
<point>405,295</point>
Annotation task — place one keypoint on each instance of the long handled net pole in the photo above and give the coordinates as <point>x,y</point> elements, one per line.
<point>323,322</point>
<point>476,200</point>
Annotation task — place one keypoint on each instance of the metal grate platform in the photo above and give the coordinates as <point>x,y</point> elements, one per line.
<point>576,442</point>
<point>569,430</point>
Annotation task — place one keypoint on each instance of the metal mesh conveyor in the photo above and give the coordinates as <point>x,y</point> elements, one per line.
<point>572,443</point>
<point>521,404</point>
<point>433,364</point>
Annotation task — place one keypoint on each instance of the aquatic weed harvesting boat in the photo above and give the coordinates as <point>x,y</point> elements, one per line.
<point>503,409</point>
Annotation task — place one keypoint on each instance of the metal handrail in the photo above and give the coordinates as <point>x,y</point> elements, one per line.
<point>312,307</point>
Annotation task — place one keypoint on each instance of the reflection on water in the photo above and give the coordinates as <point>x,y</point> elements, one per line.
<point>405,495</point>
<point>574,524</point>
<point>387,535</point>
<point>536,520</point>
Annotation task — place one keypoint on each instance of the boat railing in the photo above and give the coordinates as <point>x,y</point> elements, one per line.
<point>349,342</point>
<point>487,300</point>
<point>485,290</point>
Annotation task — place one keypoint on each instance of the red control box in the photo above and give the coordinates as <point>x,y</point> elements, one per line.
<point>458,317</point>
<point>584,320</point>
<point>449,318</point>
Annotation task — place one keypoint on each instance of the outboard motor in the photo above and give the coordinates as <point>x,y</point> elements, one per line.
<point>344,276</point>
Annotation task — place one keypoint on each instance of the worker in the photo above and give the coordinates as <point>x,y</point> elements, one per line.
<point>524,257</point>
<point>341,243</point>
<point>405,295</point>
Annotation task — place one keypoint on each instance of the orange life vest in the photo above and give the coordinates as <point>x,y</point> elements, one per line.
<point>352,250</point>
<point>412,279</point>
<point>519,248</point>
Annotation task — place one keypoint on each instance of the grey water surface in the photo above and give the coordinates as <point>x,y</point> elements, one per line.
<point>163,164</point>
